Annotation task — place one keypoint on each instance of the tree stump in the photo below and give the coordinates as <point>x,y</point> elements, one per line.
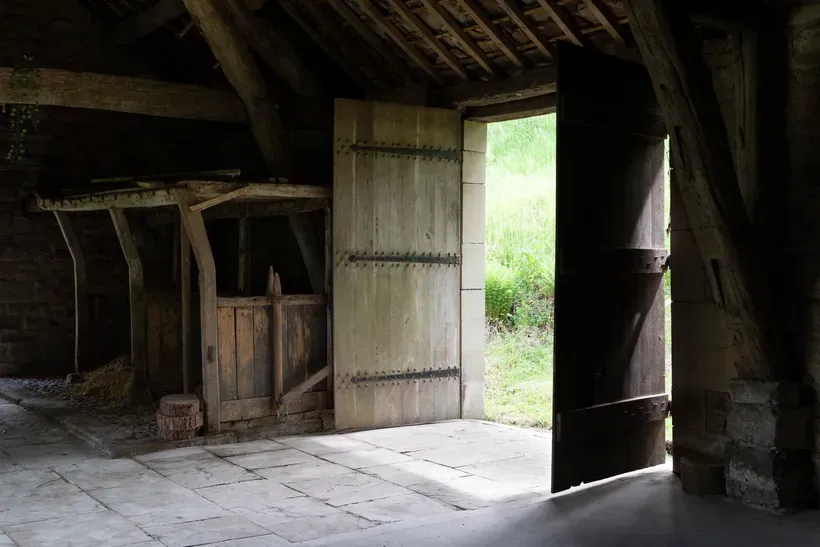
<point>179,417</point>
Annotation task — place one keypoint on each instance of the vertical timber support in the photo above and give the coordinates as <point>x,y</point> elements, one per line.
<point>81,318</point>
<point>768,457</point>
<point>243,268</point>
<point>329,293</point>
<point>136,289</point>
<point>275,292</point>
<point>195,227</point>
<point>311,251</point>
<point>472,270</point>
<point>185,288</point>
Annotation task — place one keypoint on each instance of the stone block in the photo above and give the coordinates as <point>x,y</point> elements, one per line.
<point>702,476</point>
<point>772,393</point>
<point>473,168</point>
<point>473,204</point>
<point>771,479</point>
<point>472,266</point>
<point>475,136</point>
<point>472,305</point>
<point>764,426</point>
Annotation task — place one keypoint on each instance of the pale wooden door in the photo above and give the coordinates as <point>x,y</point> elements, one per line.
<point>396,264</point>
<point>609,401</point>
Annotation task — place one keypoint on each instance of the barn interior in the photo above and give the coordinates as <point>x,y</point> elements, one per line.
<point>278,206</point>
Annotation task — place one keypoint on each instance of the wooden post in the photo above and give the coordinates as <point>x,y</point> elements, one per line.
<point>311,252</point>
<point>185,286</point>
<point>243,268</point>
<point>136,290</point>
<point>81,319</point>
<point>195,227</point>
<point>329,293</point>
<point>275,292</point>
<point>709,184</point>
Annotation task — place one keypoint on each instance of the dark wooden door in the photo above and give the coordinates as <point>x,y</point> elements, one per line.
<point>609,401</point>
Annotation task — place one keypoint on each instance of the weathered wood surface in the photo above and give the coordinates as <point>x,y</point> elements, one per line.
<point>295,393</point>
<point>207,190</point>
<point>528,26</point>
<point>81,312</point>
<point>262,351</point>
<point>477,13</point>
<point>123,94</point>
<point>227,196</point>
<point>243,267</point>
<point>709,184</point>
<point>455,30</point>
<point>530,83</point>
<point>277,322</point>
<point>304,342</point>
<point>602,12</point>
<point>136,291</point>
<point>514,110</point>
<point>394,319</point>
<point>185,289</point>
<point>263,407</point>
<point>244,75</point>
<point>272,46</point>
<point>611,145</point>
<point>564,22</point>
<point>195,227</point>
<point>312,253</point>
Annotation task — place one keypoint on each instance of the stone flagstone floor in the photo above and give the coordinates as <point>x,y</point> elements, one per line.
<point>56,491</point>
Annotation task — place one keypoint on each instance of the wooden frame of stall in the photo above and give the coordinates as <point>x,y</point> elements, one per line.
<point>248,344</point>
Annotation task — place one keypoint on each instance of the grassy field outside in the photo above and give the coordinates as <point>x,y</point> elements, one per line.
<point>520,236</point>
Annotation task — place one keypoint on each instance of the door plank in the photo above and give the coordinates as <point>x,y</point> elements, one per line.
<point>262,354</point>
<point>244,353</point>
<point>226,328</point>
<point>609,344</point>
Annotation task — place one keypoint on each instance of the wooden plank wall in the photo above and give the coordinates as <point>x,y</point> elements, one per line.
<point>304,335</point>
<point>164,340</point>
<point>245,362</point>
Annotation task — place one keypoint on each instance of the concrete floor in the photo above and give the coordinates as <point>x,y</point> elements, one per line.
<point>450,484</point>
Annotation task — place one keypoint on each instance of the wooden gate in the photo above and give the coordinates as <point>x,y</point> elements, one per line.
<point>609,401</point>
<point>272,350</point>
<point>396,234</point>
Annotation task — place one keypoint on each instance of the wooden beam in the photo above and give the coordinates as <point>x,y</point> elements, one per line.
<point>454,28</point>
<point>166,196</point>
<point>530,83</point>
<point>481,18</point>
<point>228,196</point>
<point>296,393</point>
<point>602,12</point>
<point>421,28</point>
<point>136,292</point>
<point>312,252</point>
<point>243,266</point>
<point>185,287</point>
<point>528,26</point>
<point>123,94</point>
<point>324,44</point>
<point>275,292</point>
<point>195,227</point>
<point>81,316</point>
<point>147,21</point>
<point>275,50</point>
<point>706,176</point>
<point>244,76</point>
<point>525,108</point>
<point>246,209</point>
<point>379,46</point>
<point>329,294</point>
<point>564,21</point>
<point>400,40</point>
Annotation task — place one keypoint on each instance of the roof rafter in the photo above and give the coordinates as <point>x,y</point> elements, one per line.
<point>528,26</point>
<point>483,20</point>
<point>564,21</point>
<point>427,35</point>
<point>455,30</point>
<point>607,19</point>
<point>401,40</point>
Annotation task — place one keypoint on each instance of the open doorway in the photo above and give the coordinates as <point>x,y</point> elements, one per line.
<point>520,273</point>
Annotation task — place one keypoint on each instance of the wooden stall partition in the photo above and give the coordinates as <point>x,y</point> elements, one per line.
<point>269,341</point>
<point>164,339</point>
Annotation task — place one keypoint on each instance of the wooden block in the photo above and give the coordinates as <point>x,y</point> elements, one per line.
<point>472,213</point>
<point>226,330</point>
<point>472,266</point>
<point>179,405</point>
<point>473,305</point>
<point>475,136</point>
<point>473,167</point>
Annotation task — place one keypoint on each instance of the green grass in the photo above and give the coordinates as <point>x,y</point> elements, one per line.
<point>520,236</point>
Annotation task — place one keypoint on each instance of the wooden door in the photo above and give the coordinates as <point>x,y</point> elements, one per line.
<point>609,400</point>
<point>396,249</point>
